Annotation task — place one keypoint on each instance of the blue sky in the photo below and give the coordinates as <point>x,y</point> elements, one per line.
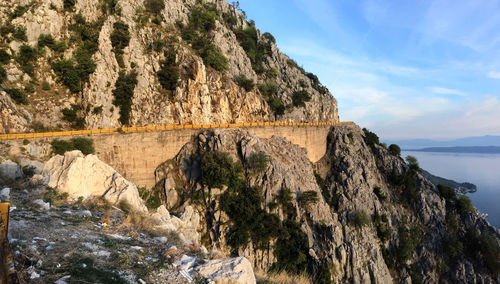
<point>404,69</point>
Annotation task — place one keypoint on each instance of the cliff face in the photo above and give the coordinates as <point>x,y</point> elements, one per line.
<point>179,70</point>
<point>365,215</point>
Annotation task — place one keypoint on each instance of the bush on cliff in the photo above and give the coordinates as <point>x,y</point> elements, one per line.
<point>299,98</point>
<point>244,82</point>
<point>85,145</point>
<point>123,93</point>
<point>168,75</point>
<point>259,162</point>
<point>394,150</point>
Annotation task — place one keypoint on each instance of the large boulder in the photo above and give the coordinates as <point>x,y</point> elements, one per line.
<point>11,170</point>
<point>186,226</point>
<point>236,270</point>
<point>87,176</point>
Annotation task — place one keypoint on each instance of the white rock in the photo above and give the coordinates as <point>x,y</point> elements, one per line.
<point>10,170</point>
<point>41,204</point>
<point>86,176</point>
<point>5,194</point>
<point>228,270</point>
<point>185,263</point>
<point>63,280</point>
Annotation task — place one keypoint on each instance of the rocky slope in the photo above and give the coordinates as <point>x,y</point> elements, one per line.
<point>63,59</point>
<point>365,215</point>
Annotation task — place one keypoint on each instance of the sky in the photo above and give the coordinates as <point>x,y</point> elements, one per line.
<point>403,69</point>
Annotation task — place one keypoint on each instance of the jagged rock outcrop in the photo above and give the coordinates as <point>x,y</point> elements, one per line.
<point>202,94</point>
<point>361,221</point>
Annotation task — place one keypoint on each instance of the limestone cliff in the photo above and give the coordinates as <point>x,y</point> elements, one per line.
<point>359,215</point>
<point>63,61</point>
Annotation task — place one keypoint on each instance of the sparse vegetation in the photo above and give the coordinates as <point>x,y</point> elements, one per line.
<point>259,162</point>
<point>151,197</point>
<point>18,96</point>
<point>201,22</point>
<point>154,6</point>
<point>85,145</point>
<point>307,197</point>
<point>268,89</point>
<point>168,75</point>
<point>291,249</point>
<point>244,82</point>
<point>360,219</point>
<point>379,194</point>
<point>315,83</point>
<point>256,50</point>
<point>72,116</point>
<point>299,98</point>
<point>4,57</point>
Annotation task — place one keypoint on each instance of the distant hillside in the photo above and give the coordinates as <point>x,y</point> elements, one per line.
<point>488,140</point>
<point>460,187</point>
<point>472,149</point>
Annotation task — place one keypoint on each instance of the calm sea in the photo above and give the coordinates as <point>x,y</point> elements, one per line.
<point>482,170</point>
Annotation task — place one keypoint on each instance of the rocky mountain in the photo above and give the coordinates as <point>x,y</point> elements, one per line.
<point>107,63</point>
<point>230,207</point>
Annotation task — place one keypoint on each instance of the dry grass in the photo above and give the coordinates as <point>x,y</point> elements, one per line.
<point>282,278</point>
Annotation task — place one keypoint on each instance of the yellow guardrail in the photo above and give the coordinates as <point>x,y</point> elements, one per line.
<point>13,136</point>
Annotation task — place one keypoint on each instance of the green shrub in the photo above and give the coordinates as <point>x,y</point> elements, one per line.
<point>453,248</point>
<point>203,17</point>
<point>413,163</point>
<point>307,197</point>
<point>18,12</point>
<point>213,57</point>
<point>69,4</point>
<point>3,74</point>
<point>259,162</point>
<point>59,46</point>
<point>97,110</point>
<point>276,105</point>
<point>268,89</point>
<point>244,82</point>
<point>490,251</point>
<point>360,219</point>
<point>272,73</point>
<point>371,139</point>
<point>168,75</point>
<point>269,37</point>
<point>388,257</point>
<point>447,192</point>
<point>218,169</point>
<point>394,150</point>
<point>46,40</point>
<point>120,38</point>
<point>26,142</point>
<point>26,57</point>
<point>4,57</point>
<point>409,239</point>
<point>291,249</point>
<point>316,84</point>
<point>75,72</point>
<point>18,96</point>
<point>68,74</point>
<point>284,198</point>
<point>154,6</point>
<point>464,205</point>
<point>19,33</point>
<point>45,86</point>
<point>85,145</point>
<point>123,93</point>
<point>299,98</point>
<point>30,88</point>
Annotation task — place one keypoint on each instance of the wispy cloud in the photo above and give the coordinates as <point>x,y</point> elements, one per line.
<point>446,91</point>
<point>494,74</point>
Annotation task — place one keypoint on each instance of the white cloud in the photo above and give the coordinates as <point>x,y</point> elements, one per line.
<point>446,91</point>
<point>494,74</point>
